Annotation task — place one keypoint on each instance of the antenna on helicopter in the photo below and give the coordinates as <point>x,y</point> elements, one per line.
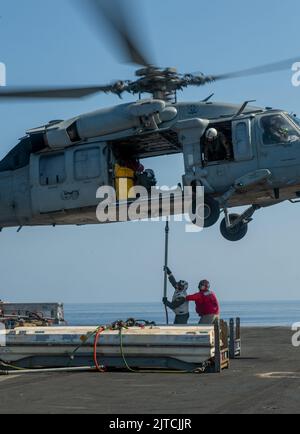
<point>208,98</point>
<point>241,110</point>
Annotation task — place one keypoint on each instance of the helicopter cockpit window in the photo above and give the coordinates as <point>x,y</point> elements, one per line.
<point>277,129</point>
<point>52,169</point>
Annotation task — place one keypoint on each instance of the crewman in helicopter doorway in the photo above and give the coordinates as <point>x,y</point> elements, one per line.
<point>179,305</point>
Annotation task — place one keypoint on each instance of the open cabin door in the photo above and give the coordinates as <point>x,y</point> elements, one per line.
<point>238,133</point>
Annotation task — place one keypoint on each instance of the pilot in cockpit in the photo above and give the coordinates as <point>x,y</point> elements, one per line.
<point>279,130</point>
<point>275,130</point>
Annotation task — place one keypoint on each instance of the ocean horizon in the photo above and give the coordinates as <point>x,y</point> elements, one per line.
<point>252,313</point>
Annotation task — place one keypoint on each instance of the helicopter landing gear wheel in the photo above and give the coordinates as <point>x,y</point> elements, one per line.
<point>211,212</point>
<point>235,233</point>
<point>208,216</point>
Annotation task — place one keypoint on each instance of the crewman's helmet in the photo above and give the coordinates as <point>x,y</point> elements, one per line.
<point>211,134</point>
<point>204,285</point>
<point>182,285</point>
<point>150,173</point>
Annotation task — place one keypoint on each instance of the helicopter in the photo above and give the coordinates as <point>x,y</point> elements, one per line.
<point>51,177</point>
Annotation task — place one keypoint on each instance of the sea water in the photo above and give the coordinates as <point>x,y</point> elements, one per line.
<point>261,314</point>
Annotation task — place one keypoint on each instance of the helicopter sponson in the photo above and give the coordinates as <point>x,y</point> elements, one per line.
<point>130,118</point>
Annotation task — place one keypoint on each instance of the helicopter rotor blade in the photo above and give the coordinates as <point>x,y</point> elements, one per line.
<point>121,22</point>
<point>259,70</point>
<point>53,93</point>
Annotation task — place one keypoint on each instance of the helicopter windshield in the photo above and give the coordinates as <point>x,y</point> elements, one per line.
<point>277,129</point>
<point>295,119</point>
<point>18,157</point>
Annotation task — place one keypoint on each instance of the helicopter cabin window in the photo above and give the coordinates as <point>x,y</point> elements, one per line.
<point>278,130</point>
<point>216,143</point>
<point>87,164</point>
<point>52,169</point>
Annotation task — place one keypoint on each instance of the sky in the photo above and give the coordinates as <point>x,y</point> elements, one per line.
<point>50,43</point>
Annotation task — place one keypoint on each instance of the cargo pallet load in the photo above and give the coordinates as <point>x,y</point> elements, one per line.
<point>185,348</point>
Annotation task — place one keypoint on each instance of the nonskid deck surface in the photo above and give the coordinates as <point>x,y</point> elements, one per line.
<point>265,380</point>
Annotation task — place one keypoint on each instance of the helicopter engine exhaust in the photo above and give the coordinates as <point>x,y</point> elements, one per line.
<point>140,116</point>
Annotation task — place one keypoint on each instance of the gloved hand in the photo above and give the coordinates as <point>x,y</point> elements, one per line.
<point>165,301</point>
<point>167,269</point>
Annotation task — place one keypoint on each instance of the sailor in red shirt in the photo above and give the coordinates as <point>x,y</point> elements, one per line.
<point>207,305</point>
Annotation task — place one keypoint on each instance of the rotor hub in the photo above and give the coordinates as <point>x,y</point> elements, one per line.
<point>155,71</point>
<point>162,83</point>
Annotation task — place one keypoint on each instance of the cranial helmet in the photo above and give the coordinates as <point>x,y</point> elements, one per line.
<point>150,173</point>
<point>204,284</point>
<point>183,285</point>
<point>211,134</point>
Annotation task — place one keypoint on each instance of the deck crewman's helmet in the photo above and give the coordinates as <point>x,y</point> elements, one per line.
<point>182,285</point>
<point>204,285</point>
